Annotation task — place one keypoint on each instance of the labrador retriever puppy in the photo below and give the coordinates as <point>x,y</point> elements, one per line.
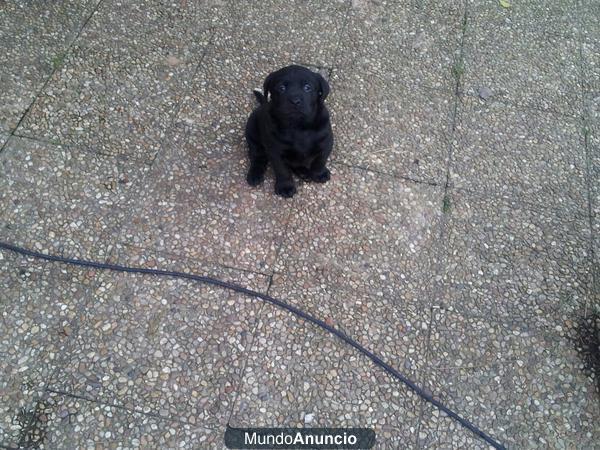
<point>290,129</point>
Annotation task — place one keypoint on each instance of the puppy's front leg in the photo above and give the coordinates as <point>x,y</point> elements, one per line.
<point>284,181</point>
<point>318,171</point>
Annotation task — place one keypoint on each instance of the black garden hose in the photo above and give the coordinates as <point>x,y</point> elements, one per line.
<point>298,312</point>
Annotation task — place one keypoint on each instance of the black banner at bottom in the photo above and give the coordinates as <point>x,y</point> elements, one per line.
<point>299,438</point>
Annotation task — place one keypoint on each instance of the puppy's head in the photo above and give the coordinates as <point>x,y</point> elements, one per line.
<point>296,92</point>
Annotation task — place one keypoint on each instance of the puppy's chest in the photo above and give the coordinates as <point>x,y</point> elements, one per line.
<point>300,146</point>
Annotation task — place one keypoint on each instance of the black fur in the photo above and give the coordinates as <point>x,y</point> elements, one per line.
<point>290,129</point>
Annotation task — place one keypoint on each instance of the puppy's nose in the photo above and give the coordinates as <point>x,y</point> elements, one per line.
<point>296,100</point>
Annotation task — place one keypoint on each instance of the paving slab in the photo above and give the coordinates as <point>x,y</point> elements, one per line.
<point>588,13</point>
<point>34,37</point>
<point>393,326</point>
<point>404,43</point>
<point>437,430</point>
<point>299,376</point>
<point>460,341</point>
<point>304,32</point>
<point>400,129</point>
<point>363,231</point>
<point>520,154</point>
<point>79,423</point>
<point>506,261</point>
<point>543,398</point>
<point>39,306</point>
<point>357,253</point>
<point>58,199</point>
<point>591,73</point>
<point>521,64</point>
<point>212,215</point>
<point>169,347</point>
<point>560,19</point>
<point>118,89</point>
<point>221,98</point>
<point>395,60</point>
<point>592,115</point>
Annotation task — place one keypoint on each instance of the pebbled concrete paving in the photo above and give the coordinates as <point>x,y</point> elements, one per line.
<point>35,38</point>
<point>537,158</point>
<point>527,55</point>
<point>458,237</point>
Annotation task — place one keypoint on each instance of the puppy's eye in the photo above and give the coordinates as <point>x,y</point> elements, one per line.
<point>307,87</point>
<point>282,88</point>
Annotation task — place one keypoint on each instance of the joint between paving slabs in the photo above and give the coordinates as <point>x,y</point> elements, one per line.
<point>490,195</point>
<point>436,292</point>
<point>440,243</point>
<point>32,429</point>
<point>280,244</point>
<point>338,44</point>
<point>84,149</point>
<point>248,352</point>
<point>59,58</point>
<point>164,142</point>
<point>177,109</point>
<point>585,120</point>
<point>385,174</point>
<point>521,106</point>
<point>423,403</point>
<point>458,72</point>
<point>114,404</point>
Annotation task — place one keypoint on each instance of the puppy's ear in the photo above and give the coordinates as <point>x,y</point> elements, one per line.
<point>268,85</point>
<point>323,86</point>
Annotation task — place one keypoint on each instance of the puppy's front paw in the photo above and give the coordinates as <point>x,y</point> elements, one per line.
<point>286,189</point>
<point>255,177</point>
<point>302,173</point>
<point>322,177</point>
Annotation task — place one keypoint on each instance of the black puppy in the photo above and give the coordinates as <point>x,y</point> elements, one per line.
<point>291,131</point>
